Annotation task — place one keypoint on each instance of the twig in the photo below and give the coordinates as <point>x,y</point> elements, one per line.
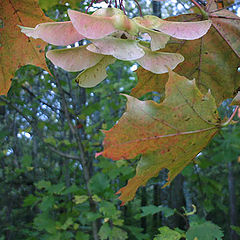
<point>15,108</point>
<point>40,100</point>
<point>62,153</point>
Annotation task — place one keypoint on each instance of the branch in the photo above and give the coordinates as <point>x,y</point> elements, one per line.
<point>62,153</point>
<point>40,100</point>
<point>31,122</point>
<point>16,109</point>
<point>82,157</point>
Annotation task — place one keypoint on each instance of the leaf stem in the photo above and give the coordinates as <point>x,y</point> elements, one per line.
<point>230,119</point>
<point>196,4</point>
<point>90,5</point>
<point>204,14</point>
<point>139,7</point>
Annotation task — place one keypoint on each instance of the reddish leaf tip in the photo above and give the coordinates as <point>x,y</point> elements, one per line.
<point>98,154</point>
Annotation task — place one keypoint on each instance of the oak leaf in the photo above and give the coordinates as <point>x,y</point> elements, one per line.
<point>17,50</point>
<point>213,60</point>
<point>166,135</point>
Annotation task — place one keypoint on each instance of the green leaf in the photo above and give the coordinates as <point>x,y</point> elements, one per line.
<point>30,200</point>
<point>47,203</point>
<point>115,233</point>
<point>43,184</point>
<point>104,232</point>
<point>82,236</point>
<point>168,234</point>
<point>72,189</point>
<point>98,183</point>
<point>204,231</point>
<point>67,224</point>
<point>152,209</point>
<point>118,234</point>
<point>56,188</point>
<point>96,74</point>
<point>26,161</point>
<point>44,222</point>
<point>236,229</point>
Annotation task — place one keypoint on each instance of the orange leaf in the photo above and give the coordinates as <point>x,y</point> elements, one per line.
<point>16,49</point>
<point>167,135</point>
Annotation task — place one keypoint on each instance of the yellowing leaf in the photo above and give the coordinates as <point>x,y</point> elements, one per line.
<point>78,199</point>
<point>16,49</point>
<point>96,74</point>
<point>148,82</point>
<point>74,59</point>
<point>158,40</point>
<point>167,135</point>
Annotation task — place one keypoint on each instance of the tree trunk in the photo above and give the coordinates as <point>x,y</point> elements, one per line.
<point>232,201</point>
<point>156,202</point>
<point>144,203</point>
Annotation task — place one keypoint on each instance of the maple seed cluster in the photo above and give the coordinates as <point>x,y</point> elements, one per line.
<point>113,36</point>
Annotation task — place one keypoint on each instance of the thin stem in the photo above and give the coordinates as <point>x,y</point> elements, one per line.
<point>90,5</point>
<point>123,8</point>
<point>139,7</point>
<point>231,118</point>
<point>197,4</point>
<point>204,14</point>
<point>40,100</point>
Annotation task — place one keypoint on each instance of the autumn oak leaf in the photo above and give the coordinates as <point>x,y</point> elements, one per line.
<point>17,50</point>
<point>166,135</point>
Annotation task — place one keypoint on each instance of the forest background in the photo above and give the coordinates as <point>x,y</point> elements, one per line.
<point>49,123</point>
